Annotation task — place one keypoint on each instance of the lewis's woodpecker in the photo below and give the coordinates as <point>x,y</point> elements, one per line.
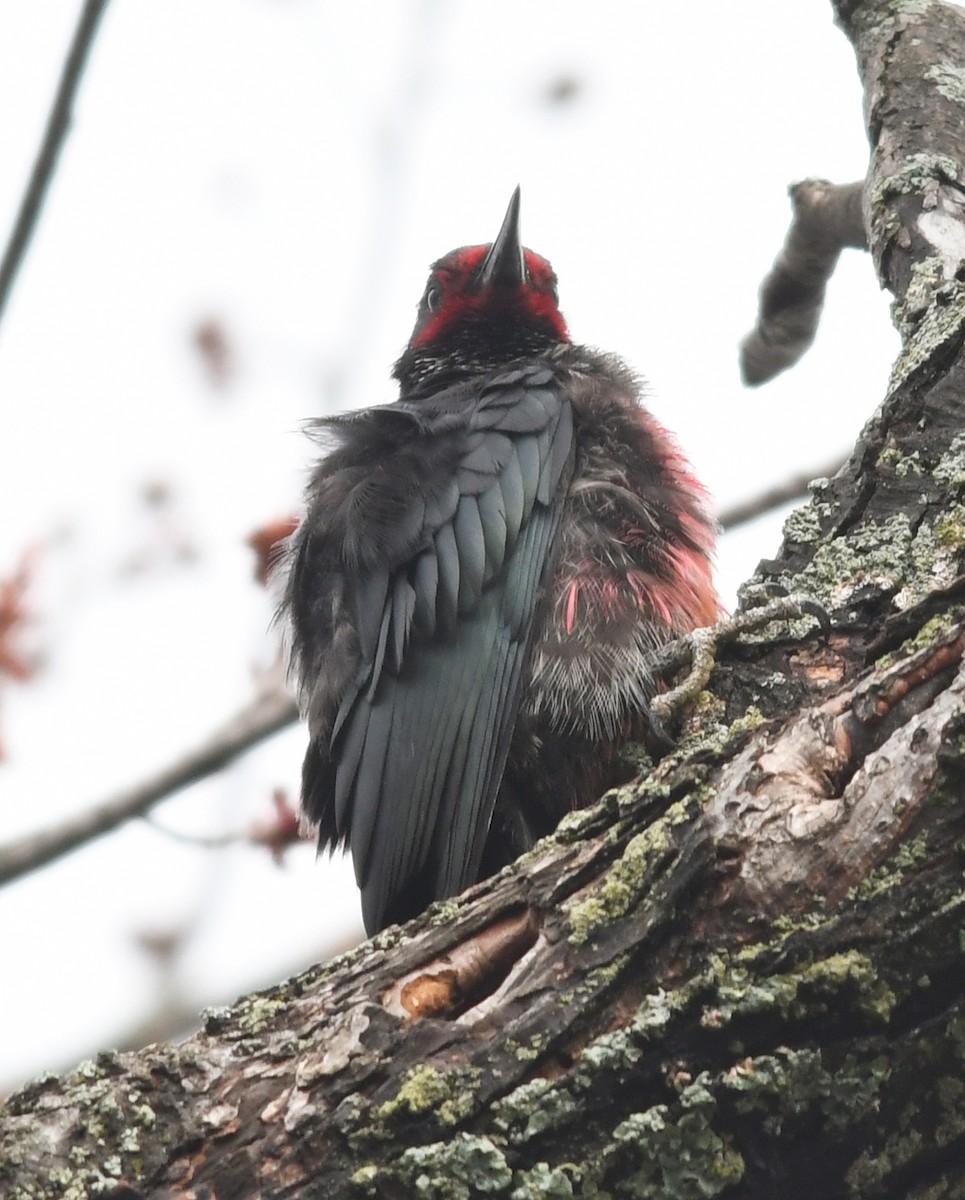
<point>485,573</point>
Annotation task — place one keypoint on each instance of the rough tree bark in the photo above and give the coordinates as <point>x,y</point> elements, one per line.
<point>742,975</point>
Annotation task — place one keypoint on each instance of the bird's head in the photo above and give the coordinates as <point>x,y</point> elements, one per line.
<point>484,306</point>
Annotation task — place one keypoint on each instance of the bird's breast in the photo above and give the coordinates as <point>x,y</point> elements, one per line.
<point>618,594</point>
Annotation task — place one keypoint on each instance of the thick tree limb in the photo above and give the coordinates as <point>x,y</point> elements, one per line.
<point>742,975</point>
<point>55,133</point>
<point>827,218</point>
<point>551,1027</point>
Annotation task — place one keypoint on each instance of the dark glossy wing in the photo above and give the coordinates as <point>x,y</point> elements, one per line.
<point>432,530</point>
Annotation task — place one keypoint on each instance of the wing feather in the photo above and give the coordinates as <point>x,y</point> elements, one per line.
<point>426,584</point>
<point>367,788</point>
<point>447,596</point>
<point>471,540</point>
<point>492,514</point>
<point>513,493</point>
<point>403,611</point>
<point>436,528</point>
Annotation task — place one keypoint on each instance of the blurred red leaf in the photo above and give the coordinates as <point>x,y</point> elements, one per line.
<point>211,340</point>
<point>280,832</point>
<point>14,617</point>
<point>161,945</point>
<point>267,544</point>
<point>163,533</point>
<point>564,89</point>
<point>16,664</point>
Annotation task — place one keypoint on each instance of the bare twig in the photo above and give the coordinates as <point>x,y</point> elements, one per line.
<point>268,713</point>
<point>282,830</point>
<point>795,488</point>
<point>827,218</point>
<point>55,133</point>
<point>204,841</point>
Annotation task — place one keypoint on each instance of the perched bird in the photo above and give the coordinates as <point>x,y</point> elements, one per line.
<point>483,576</point>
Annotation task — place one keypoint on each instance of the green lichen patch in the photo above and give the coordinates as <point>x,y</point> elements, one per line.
<point>807,991</point>
<point>949,80</point>
<point>671,1155</point>
<point>811,918</point>
<point>879,20</point>
<point>932,564</point>
<point>926,279</point>
<point>931,1121</point>
<point>707,730</point>
<point>751,718</point>
<point>628,879</point>
<point>708,709</point>
<point>938,324</point>
<point>70,1185</point>
<point>918,174</point>
<point>215,1017</point>
<point>950,1093</point>
<point>459,1169</point>
<point>891,873</point>
<point>111,1127</point>
<point>870,1169</point>
<point>929,633</point>
<point>950,528</point>
<point>890,557</point>
<point>574,825</point>
<point>791,1083</point>
<point>443,912</point>
<point>449,1097</point>
<point>803,525</point>
<point>543,1182</point>
<point>899,464</point>
<point>251,1015</point>
<point>950,468</point>
<point>258,1011</point>
<point>527,1053</point>
<point>533,1109</point>
<point>434,1099</point>
<point>365,1177</point>
<point>658,1010</point>
<point>611,1052</point>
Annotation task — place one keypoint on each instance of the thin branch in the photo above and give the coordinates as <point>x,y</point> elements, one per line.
<point>212,841</point>
<point>267,714</point>
<point>795,488</point>
<point>827,218</point>
<point>58,123</point>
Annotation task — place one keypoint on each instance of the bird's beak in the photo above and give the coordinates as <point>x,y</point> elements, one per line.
<point>504,263</point>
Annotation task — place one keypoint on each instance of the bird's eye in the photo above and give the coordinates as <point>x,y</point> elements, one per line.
<point>432,297</point>
<point>555,294</point>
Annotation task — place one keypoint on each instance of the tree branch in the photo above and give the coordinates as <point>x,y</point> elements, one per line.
<point>734,976</point>
<point>55,134</point>
<point>252,724</point>
<point>265,715</point>
<point>666,985</point>
<point>794,488</point>
<point>827,218</point>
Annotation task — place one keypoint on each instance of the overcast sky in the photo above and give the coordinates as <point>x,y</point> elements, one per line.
<point>283,171</point>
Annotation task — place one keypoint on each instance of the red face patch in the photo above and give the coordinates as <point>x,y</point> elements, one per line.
<point>452,297</point>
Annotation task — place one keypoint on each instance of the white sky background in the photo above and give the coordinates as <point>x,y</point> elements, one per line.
<point>290,168</point>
